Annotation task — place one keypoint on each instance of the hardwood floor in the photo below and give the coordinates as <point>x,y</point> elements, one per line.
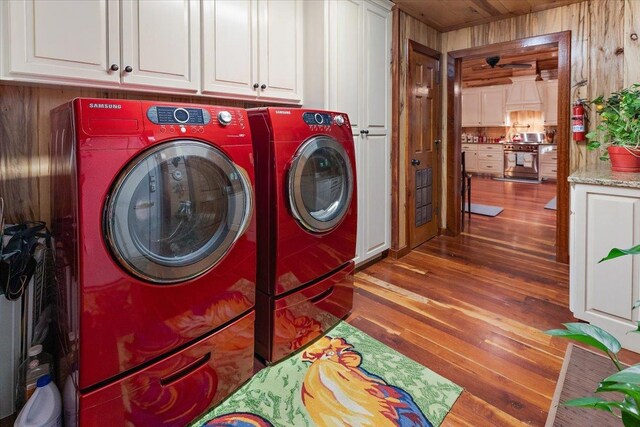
<point>473,308</point>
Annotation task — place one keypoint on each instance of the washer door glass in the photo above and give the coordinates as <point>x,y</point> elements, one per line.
<point>320,184</point>
<point>176,210</point>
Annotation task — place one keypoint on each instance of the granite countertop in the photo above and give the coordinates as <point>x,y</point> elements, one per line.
<point>601,174</point>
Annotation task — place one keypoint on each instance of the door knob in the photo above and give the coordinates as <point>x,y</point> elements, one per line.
<point>256,85</point>
<point>415,162</point>
<point>128,69</point>
<point>437,141</point>
<point>114,67</point>
<point>263,86</point>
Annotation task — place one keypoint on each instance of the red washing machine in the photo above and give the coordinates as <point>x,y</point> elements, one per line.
<point>307,215</point>
<point>152,216</point>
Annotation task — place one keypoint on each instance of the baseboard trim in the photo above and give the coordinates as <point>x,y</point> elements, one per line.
<point>372,261</point>
<point>399,253</point>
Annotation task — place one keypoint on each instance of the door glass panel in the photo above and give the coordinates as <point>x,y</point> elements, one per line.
<point>175,211</point>
<point>321,184</point>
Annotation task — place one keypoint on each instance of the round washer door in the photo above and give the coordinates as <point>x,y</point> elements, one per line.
<point>320,184</point>
<point>176,210</point>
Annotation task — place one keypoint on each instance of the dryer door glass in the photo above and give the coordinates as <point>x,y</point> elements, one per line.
<point>320,184</point>
<point>176,210</point>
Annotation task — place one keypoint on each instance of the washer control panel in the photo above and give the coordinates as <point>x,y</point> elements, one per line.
<point>178,116</point>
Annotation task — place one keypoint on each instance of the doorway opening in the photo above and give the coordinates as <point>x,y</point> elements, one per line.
<point>515,51</point>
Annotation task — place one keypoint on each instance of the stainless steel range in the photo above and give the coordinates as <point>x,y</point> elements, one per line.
<point>521,158</point>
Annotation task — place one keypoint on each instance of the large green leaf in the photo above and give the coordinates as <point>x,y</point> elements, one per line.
<point>588,334</point>
<point>630,375</point>
<point>629,420</point>
<point>593,402</point>
<point>631,390</point>
<point>615,253</point>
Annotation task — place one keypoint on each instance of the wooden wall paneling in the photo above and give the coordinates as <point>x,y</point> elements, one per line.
<point>500,31</point>
<point>606,47</point>
<point>395,145</point>
<point>577,19</point>
<point>19,164</point>
<point>631,47</point>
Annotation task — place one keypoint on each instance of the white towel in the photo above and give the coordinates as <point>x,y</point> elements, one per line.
<point>528,160</point>
<point>511,160</point>
<point>520,159</point>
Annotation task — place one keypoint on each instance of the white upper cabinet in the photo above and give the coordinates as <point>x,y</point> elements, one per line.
<point>253,49</point>
<point>471,105</point>
<point>484,106</point>
<point>160,42</point>
<point>549,91</point>
<point>53,40</point>
<point>102,42</point>
<point>493,100</point>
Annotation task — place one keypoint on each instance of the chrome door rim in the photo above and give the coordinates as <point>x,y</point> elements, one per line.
<point>295,193</point>
<point>175,271</point>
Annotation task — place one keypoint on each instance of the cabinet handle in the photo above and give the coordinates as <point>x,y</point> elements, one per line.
<point>364,132</point>
<point>256,85</point>
<point>263,86</point>
<point>128,69</point>
<point>114,67</point>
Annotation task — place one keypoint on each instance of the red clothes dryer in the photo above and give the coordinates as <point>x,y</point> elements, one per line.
<point>306,200</point>
<point>155,257</point>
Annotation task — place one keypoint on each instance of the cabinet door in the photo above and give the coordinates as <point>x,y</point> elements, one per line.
<point>604,293</point>
<point>492,108</point>
<point>373,196</point>
<point>62,40</point>
<point>471,104</point>
<point>345,53</point>
<point>374,231</point>
<point>550,102</point>
<point>230,48</point>
<point>280,49</point>
<point>161,43</point>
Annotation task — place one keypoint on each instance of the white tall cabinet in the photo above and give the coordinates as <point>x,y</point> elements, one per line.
<point>603,294</point>
<point>347,60</point>
<point>103,42</point>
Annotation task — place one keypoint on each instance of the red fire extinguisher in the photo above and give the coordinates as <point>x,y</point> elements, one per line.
<point>578,121</point>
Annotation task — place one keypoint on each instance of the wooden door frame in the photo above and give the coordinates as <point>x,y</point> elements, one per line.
<point>412,45</point>
<point>561,40</point>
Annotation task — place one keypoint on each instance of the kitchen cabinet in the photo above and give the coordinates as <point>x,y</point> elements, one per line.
<point>603,294</point>
<point>548,155</point>
<point>549,90</point>
<point>470,157</point>
<point>347,60</point>
<point>103,43</point>
<point>492,111</point>
<point>471,107</point>
<point>252,49</point>
<point>484,106</point>
<point>484,158</point>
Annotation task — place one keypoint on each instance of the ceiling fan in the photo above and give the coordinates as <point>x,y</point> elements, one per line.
<point>492,62</point>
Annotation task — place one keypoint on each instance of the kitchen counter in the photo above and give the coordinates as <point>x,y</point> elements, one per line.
<point>601,174</point>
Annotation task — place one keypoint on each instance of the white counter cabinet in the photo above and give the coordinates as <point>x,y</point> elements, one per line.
<point>603,294</point>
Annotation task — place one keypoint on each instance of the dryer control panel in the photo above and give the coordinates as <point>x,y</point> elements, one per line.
<point>323,119</point>
<point>178,116</point>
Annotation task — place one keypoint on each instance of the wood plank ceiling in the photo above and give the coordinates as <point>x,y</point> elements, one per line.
<point>447,15</point>
<point>544,62</point>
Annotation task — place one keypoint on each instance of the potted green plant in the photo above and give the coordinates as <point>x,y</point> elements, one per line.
<point>619,129</point>
<point>626,380</point>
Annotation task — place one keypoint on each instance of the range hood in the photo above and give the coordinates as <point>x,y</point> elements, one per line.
<point>524,95</point>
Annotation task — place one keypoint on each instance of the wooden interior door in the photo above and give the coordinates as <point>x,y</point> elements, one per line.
<point>423,164</point>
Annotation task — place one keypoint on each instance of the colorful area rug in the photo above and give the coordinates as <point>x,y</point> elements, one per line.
<point>344,378</point>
